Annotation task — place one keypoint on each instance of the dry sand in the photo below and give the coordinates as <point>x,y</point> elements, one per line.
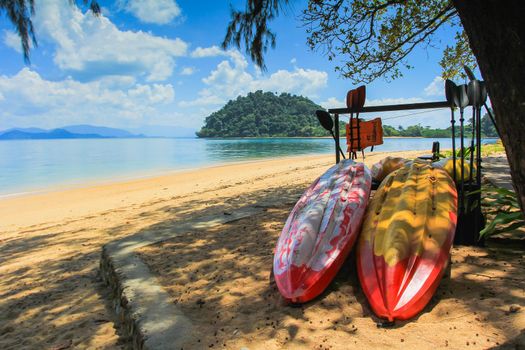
<point>51,296</point>
<point>221,279</point>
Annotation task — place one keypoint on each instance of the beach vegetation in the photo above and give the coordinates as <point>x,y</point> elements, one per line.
<point>487,130</point>
<point>487,150</point>
<point>502,211</point>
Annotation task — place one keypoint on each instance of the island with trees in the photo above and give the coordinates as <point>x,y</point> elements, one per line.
<point>265,114</point>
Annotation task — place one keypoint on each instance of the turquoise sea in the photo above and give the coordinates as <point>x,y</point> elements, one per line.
<point>35,165</point>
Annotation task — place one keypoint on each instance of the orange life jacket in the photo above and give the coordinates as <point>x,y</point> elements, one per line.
<point>370,134</point>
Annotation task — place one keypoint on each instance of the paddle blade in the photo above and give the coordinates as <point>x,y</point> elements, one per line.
<point>474,93</point>
<point>359,97</point>
<point>483,88</point>
<point>462,96</point>
<point>350,98</point>
<point>450,92</point>
<point>325,119</point>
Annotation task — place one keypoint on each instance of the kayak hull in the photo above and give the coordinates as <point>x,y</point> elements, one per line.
<point>406,238</point>
<point>321,231</point>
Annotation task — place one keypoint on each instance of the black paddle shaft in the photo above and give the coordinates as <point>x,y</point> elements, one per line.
<point>451,95</point>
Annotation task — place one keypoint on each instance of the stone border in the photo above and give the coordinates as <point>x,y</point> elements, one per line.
<point>145,315</point>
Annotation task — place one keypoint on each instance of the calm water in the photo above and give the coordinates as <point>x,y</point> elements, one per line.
<point>32,165</point>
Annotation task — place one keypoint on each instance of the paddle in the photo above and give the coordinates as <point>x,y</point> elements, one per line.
<point>477,93</point>
<point>450,92</point>
<point>481,102</point>
<point>474,96</point>
<point>450,95</point>
<point>478,96</point>
<point>361,97</point>
<point>325,119</point>
<point>461,100</point>
<point>474,93</point>
<point>483,95</point>
<point>471,76</point>
<point>357,104</point>
<point>350,96</point>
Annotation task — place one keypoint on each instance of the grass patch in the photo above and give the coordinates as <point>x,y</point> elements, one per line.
<point>486,150</point>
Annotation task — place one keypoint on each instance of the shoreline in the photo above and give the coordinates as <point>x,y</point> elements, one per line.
<point>89,183</point>
<point>13,189</point>
<point>65,204</point>
<point>120,179</point>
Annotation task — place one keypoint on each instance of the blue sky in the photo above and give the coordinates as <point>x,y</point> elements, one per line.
<point>157,62</point>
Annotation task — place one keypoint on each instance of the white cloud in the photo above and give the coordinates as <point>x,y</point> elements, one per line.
<point>393,101</point>
<point>153,11</point>
<point>436,87</point>
<point>155,93</point>
<point>332,102</point>
<point>230,79</point>
<point>300,81</point>
<point>12,40</point>
<point>214,51</point>
<point>211,51</point>
<point>205,99</point>
<point>33,101</point>
<point>89,47</point>
<point>188,71</point>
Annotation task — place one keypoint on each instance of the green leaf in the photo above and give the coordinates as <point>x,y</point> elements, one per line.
<point>501,218</point>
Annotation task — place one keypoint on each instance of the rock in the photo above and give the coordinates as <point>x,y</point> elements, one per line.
<point>512,309</point>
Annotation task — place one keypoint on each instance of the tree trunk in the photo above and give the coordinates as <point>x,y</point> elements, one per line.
<point>496,32</point>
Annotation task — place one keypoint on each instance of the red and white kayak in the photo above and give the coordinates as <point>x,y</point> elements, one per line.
<point>320,231</point>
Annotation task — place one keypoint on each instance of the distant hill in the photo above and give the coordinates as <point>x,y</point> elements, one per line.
<point>99,130</point>
<point>53,134</point>
<point>66,132</point>
<point>30,130</point>
<point>263,114</point>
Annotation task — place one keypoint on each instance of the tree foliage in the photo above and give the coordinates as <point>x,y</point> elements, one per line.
<point>487,130</point>
<point>416,131</point>
<point>20,12</point>
<point>370,38</point>
<point>487,127</point>
<point>251,27</point>
<point>264,114</point>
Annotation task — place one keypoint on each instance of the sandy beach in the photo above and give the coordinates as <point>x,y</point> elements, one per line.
<point>51,296</point>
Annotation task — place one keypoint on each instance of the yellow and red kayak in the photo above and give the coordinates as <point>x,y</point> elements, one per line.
<point>406,238</point>
<point>320,231</point>
<point>385,166</point>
